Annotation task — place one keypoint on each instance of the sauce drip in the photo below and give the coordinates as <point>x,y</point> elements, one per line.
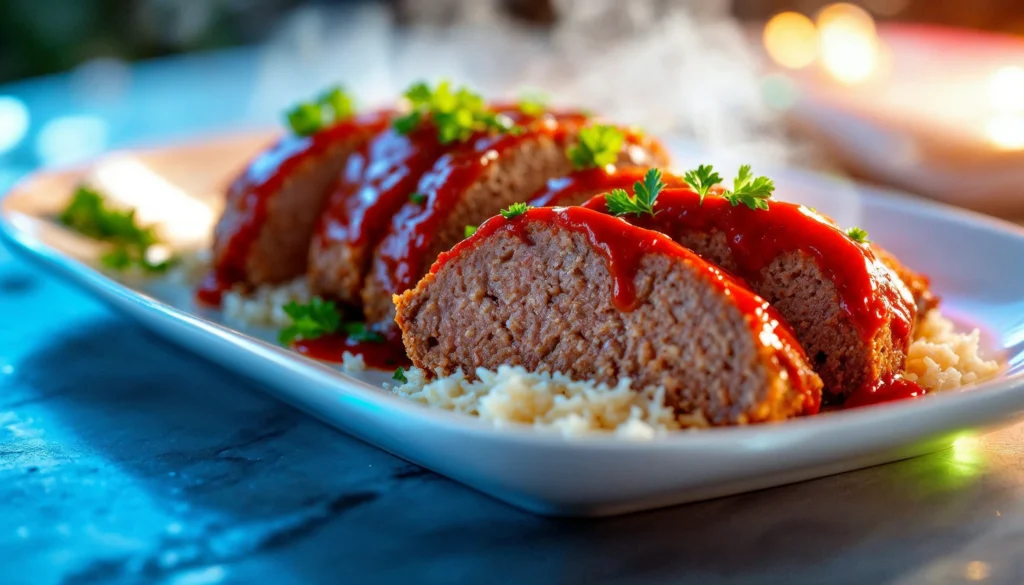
<point>887,390</point>
<point>867,290</point>
<point>386,355</point>
<point>623,247</point>
<point>263,178</point>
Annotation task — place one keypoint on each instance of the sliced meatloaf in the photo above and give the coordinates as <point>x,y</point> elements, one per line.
<point>850,312</point>
<point>586,294</point>
<point>579,186</point>
<point>466,187</point>
<point>378,180</point>
<point>263,235</point>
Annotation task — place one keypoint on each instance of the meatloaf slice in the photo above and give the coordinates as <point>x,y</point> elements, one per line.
<point>263,235</point>
<point>466,187</point>
<point>580,185</point>
<point>851,313</point>
<point>378,180</point>
<point>586,294</point>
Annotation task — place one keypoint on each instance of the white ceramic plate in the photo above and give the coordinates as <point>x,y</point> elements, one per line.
<point>977,265</point>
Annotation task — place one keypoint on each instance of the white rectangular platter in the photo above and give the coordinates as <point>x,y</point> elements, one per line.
<point>976,265</point>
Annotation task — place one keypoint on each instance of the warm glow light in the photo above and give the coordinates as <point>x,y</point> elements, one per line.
<point>1006,89</point>
<point>848,42</point>
<point>183,219</point>
<point>791,40</point>
<point>1006,132</point>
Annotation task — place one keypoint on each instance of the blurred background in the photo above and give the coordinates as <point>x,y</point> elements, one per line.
<point>923,95</point>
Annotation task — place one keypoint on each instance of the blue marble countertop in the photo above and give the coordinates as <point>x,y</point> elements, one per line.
<point>127,460</point>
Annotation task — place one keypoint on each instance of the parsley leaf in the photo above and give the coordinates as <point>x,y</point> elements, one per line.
<point>417,197</point>
<point>310,321</point>
<point>515,210</point>
<point>644,196</point>
<point>88,214</point>
<point>533,103</point>
<point>750,191</point>
<point>469,230</point>
<point>457,113</point>
<point>598,146</point>
<point>399,376</point>
<point>858,235</point>
<point>358,332</point>
<point>702,179</point>
<point>330,107</point>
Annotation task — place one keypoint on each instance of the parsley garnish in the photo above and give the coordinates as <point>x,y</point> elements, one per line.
<point>533,103</point>
<point>417,197</point>
<point>88,214</point>
<point>469,230</point>
<point>514,210</point>
<point>750,191</point>
<point>457,114</point>
<point>858,235</point>
<point>332,106</point>
<point>318,318</point>
<point>702,179</point>
<point>310,321</point>
<point>644,195</point>
<point>399,376</point>
<point>598,146</point>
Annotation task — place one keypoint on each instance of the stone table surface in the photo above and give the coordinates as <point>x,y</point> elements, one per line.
<point>127,460</point>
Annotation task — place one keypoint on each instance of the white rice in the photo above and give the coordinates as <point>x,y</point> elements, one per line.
<point>939,359</point>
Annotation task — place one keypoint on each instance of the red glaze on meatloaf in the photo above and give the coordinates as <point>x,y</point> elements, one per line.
<point>851,313</point>
<point>589,295</point>
<point>466,187</point>
<point>272,207</point>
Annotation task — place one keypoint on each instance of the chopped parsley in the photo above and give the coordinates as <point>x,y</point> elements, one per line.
<point>702,179</point>
<point>597,146</point>
<point>858,235</point>
<point>330,107</point>
<point>469,230</point>
<point>457,113</point>
<point>642,201</point>
<point>88,214</point>
<point>318,318</point>
<point>399,376</point>
<point>417,197</point>
<point>310,321</point>
<point>533,103</point>
<point>515,210</point>
<point>750,191</point>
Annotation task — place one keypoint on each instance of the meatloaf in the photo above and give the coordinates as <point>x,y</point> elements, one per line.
<point>379,178</point>
<point>589,295</point>
<point>263,235</point>
<point>851,313</point>
<point>463,189</point>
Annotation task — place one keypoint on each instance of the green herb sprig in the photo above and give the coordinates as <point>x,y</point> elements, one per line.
<point>515,210</point>
<point>469,230</point>
<point>533,103</point>
<point>318,318</point>
<point>645,194</point>
<point>88,214</point>
<point>597,146</point>
<point>754,192</point>
<point>330,107</point>
<point>399,375</point>
<point>858,235</point>
<point>457,113</point>
<point>702,179</point>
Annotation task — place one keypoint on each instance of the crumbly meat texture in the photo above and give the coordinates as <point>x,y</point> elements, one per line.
<point>345,270</point>
<point>513,177</point>
<point>809,302</point>
<point>279,252</point>
<point>547,305</point>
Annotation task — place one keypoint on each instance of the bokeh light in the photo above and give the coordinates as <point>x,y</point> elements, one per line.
<point>1006,89</point>
<point>14,122</point>
<point>71,139</point>
<point>791,40</point>
<point>848,42</point>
